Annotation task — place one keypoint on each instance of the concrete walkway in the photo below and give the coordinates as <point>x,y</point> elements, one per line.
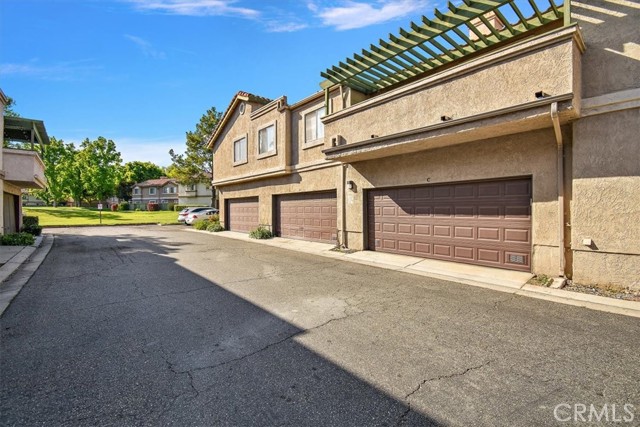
<point>513,282</point>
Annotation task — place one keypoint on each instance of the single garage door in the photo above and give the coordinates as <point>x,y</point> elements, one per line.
<point>242,214</point>
<point>308,216</point>
<point>484,223</point>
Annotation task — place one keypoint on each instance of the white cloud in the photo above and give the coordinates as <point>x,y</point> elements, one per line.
<point>284,27</point>
<point>196,7</point>
<point>70,70</point>
<point>354,14</point>
<point>147,49</point>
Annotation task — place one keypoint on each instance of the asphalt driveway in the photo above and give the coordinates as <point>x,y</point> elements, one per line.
<point>159,326</point>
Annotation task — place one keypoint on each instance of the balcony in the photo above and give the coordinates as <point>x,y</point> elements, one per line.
<point>23,168</point>
<point>20,164</point>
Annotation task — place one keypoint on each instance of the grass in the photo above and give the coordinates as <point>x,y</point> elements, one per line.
<point>68,217</point>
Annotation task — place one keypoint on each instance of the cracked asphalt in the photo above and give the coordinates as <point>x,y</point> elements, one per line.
<point>158,326</point>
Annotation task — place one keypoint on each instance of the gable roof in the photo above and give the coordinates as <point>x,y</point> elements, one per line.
<point>238,97</point>
<point>160,182</point>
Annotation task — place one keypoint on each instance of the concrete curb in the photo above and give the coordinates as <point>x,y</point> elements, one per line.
<point>516,284</point>
<point>17,272</point>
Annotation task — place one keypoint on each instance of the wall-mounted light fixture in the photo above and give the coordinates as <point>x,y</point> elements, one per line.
<point>445,118</point>
<point>374,136</point>
<point>351,185</point>
<point>541,95</point>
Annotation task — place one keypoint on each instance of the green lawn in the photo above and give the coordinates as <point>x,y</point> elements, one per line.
<point>60,217</point>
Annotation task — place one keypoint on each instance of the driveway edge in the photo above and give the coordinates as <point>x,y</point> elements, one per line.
<point>20,268</point>
<point>520,288</point>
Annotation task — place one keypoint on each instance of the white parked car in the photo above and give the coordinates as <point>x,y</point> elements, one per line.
<point>182,216</point>
<point>199,215</point>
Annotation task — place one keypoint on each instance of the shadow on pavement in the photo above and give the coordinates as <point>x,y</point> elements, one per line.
<point>112,331</point>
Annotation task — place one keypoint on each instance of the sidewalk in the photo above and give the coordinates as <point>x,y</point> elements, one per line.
<point>513,282</point>
<point>13,258</point>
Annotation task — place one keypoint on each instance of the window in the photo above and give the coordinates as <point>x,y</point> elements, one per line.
<point>152,191</point>
<point>267,140</point>
<point>136,191</point>
<point>313,127</point>
<point>240,151</point>
<point>191,187</point>
<point>169,190</point>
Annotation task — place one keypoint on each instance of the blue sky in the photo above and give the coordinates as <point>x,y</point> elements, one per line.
<point>142,72</point>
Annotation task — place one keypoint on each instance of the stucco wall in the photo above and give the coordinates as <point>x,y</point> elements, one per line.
<point>317,180</point>
<point>2,105</point>
<point>303,153</point>
<point>505,83</point>
<point>528,154</point>
<point>606,198</point>
<point>241,125</point>
<point>611,61</point>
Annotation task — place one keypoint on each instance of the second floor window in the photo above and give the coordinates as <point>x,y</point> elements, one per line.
<point>169,190</point>
<point>152,191</point>
<point>136,191</point>
<point>191,187</point>
<point>313,127</point>
<point>267,140</point>
<point>240,151</point>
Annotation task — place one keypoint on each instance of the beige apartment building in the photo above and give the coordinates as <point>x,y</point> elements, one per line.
<point>496,133</point>
<point>20,164</point>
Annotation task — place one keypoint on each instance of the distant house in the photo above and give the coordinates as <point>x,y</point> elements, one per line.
<point>163,191</point>
<point>20,164</point>
<point>194,194</point>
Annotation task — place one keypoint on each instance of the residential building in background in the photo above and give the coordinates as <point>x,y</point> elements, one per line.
<point>162,191</point>
<point>194,194</point>
<point>500,134</point>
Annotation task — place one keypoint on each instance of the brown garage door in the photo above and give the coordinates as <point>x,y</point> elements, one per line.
<point>242,214</point>
<point>485,223</point>
<point>308,216</point>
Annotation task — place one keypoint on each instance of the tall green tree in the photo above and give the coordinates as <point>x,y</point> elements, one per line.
<point>101,165</point>
<point>134,172</point>
<point>9,108</point>
<point>74,179</point>
<point>196,164</point>
<point>56,157</point>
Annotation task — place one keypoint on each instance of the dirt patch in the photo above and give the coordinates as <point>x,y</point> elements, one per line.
<point>610,291</point>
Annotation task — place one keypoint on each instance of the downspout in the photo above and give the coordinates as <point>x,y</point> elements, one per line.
<point>560,170</point>
<point>343,214</point>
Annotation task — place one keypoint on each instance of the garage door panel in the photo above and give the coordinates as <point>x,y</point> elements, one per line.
<point>314,214</point>
<point>486,223</point>
<point>242,214</point>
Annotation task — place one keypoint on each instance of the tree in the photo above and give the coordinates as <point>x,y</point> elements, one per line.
<point>56,157</point>
<point>8,109</point>
<point>196,164</point>
<point>134,172</point>
<point>101,168</point>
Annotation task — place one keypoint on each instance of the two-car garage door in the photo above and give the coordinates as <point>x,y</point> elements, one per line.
<point>484,223</point>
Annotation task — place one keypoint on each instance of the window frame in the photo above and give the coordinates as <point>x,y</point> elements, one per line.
<point>137,191</point>
<point>273,151</point>
<point>246,150</point>
<point>152,191</point>
<point>318,140</point>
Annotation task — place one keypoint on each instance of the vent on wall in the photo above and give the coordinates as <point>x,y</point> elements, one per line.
<point>516,259</point>
<point>337,140</point>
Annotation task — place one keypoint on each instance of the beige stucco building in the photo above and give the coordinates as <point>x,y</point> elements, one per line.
<point>515,145</point>
<point>20,168</point>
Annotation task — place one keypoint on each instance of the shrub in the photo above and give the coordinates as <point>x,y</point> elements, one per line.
<point>261,232</point>
<point>114,207</point>
<point>18,239</point>
<point>201,225</point>
<point>124,206</point>
<point>215,227</point>
<point>214,218</point>
<point>153,207</point>
<point>30,220</point>
<point>33,229</point>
